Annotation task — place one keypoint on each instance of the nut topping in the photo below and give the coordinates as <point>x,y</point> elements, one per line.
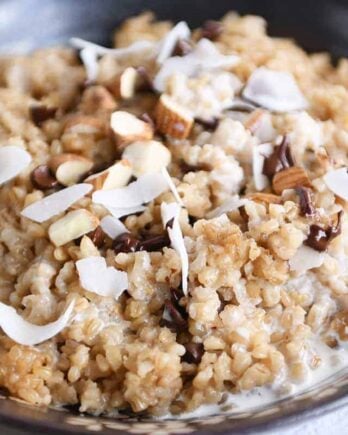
<point>43,179</point>
<point>97,98</point>
<point>289,179</point>
<point>69,168</point>
<point>72,226</point>
<point>127,128</point>
<point>124,85</point>
<point>113,177</point>
<point>173,119</point>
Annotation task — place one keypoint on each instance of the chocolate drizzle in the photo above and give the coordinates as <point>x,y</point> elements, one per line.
<point>126,242</point>
<point>319,238</point>
<point>194,353</point>
<point>306,205</point>
<point>174,315</point>
<point>280,159</point>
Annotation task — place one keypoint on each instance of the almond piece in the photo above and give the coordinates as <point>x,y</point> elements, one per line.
<point>113,177</point>
<point>289,179</point>
<point>69,168</point>
<point>124,85</point>
<point>147,157</point>
<point>267,198</point>
<point>173,119</point>
<point>97,98</point>
<point>84,124</point>
<point>72,226</point>
<point>128,128</point>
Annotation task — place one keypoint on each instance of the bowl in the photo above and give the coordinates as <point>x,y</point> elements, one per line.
<point>318,25</point>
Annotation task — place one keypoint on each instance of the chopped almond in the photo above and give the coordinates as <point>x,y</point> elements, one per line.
<point>290,178</point>
<point>72,226</point>
<point>69,168</point>
<point>128,128</point>
<point>84,124</point>
<point>113,177</point>
<point>267,198</point>
<point>97,98</point>
<point>124,85</point>
<point>173,119</point>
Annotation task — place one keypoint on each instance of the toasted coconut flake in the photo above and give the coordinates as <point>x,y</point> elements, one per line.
<point>168,43</point>
<point>260,152</point>
<point>305,259</point>
<point>171,212</point>
<point>274,90</point>
<point>112,227</point>
<point>97,278</point>
<point>204,57</point>
<point>12,162</point>
<point>172,186</point>
<point>27,334</point>
<point>56,203</point>
<point>143,190</point>
<point>231,204</point>
<point>337,182</point>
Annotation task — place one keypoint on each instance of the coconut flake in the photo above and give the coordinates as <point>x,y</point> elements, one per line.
<point>305,259</point>
<point>231,204</point>
<point>112,226</point>
<point>274,90</point>
<point>121,212</point>
<point>97,277</point>
<point>204,57</point>
<point>28,334</point>
<point>42,210</point>
<point>172,186</point>
<point>260,152</point>
<point>337,182</point>
<point>180,31</point>
<point>89,58</point>
<point>146,188</point>
<point>169,212</point>
<point>12,162</point>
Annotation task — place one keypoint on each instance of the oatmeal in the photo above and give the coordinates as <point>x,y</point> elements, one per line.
<point>173,218</point>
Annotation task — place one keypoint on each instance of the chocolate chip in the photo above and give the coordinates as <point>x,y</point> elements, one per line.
<point>154,243</point>
<point>182,48</point>
<point>194,353</point>
<point>306,205</point>
<point>43,179</point>
<point>280,159</point>
<point>40,113</point>
<point>147,118</point>
<point>170,223</point>
<point>212,29</point>
<point>125,242</point>
<point>146,84</point>
<point>319,238</point>
<point>97,236</point>
<point>243,214</point>
<point>174,315</point>
<point>208,124</point>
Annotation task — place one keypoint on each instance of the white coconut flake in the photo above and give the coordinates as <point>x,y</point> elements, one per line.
<point>168,212</point>
<point>180,31</point>
<point>172,186</point>
<point>260,152</point>
<point>44,209</point>
<point>89,58</point>
<point>97,277</point>
<point>305,259</point>
<point>146,188</point>
<point>121,212</point>
<point>204,57</point>
<point>12,162</point>
<point>337,182</point>
<point>28,334</point>
<point>231,204</point>
<point>274,90</point>
<point>112,227</point>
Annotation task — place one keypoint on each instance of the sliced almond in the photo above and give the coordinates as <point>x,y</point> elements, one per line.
<point>172,118</point>
<point>267,198</point>
<point>147,156</point>
<point>72,226</point>
<point>290,178</point>
<point>84,124</point>
<point>69,168</point>
<point>124,85</point>
<point>113,177</point>
<point>128,128</point>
